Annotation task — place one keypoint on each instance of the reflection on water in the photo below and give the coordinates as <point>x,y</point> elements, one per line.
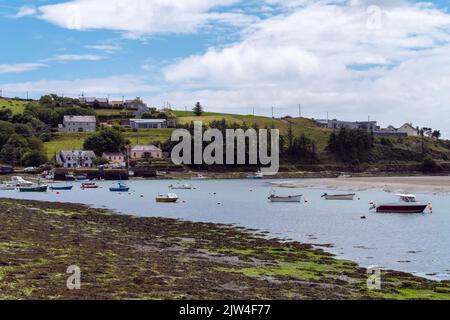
<point>413,243</point>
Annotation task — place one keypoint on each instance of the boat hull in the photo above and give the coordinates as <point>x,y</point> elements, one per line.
<point>61,188</point>
<point>286,199</point>
<point>119,189</point>
<point>340,197</point>
<point>33,189</point>
<point>166,200</point>
<point>394,208</point>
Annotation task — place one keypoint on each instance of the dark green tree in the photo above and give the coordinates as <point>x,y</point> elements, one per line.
<point>106,140</point>
<point>198,109</point>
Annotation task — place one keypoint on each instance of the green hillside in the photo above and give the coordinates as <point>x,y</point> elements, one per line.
<point>16,106</point>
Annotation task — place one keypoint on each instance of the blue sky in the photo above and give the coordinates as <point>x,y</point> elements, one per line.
<point>386,59</point>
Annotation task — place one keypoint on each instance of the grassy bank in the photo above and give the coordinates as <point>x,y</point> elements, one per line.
<point>16,106</point>
<point>150,258</point>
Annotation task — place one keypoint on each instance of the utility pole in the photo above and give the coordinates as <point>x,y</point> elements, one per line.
<point>272,113</point>
<point>1,93</point>
<point>300,110</point>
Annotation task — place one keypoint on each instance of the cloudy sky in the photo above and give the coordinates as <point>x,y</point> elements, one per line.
<point>387,59</point>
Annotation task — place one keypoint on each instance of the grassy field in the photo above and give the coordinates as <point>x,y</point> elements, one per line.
<point>75,141</point>
<point>299,125</point>
<point>17,107</point>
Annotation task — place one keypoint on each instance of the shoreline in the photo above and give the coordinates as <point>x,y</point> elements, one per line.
<point>128,257</point>
<point>427,184</point>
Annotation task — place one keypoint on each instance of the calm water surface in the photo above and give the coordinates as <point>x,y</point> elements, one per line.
<point>418,243</point>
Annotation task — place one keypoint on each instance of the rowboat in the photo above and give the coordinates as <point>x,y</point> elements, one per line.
<point>81,178</point>
<point>181,187</point>
<point>401,208</point>
<point>69,177</point>
<point>37,188</point>
<point>121,188</point>
<point>275,198</point>
<point>198,177</point>
<point>61,188</point>
<point>256,175</point>
<point>170,198</point>
<point>349,196</point>
<point>89,185</point>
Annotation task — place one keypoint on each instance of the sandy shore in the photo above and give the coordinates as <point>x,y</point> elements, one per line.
<point>434,184</point>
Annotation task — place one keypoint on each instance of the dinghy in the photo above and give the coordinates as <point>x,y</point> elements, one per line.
<point>36,188</point>
<point>275,198</point>
<point>170,198</point>
<point>181,187</point>
<point>120,188</point>
<point>349,196</point>
<point>61,188</point>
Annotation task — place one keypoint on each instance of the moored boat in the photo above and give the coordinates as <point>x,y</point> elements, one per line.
<point>169,198</point>
<point>14,183</point>
<point>295,198</point>
<point>401,208</point>
<point>181,187</point>
<point>89,185</point>
<point>349,196</point>
<point>61,188</point>
<point>199,177</point>
<point>36,188</point>
<point>69,177</point>
<point>120,188</point>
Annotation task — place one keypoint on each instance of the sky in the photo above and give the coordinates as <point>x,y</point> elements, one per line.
<point>353,59</point>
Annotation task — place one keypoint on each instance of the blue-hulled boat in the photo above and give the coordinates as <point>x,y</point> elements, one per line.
<point>61,188</point>
<point>121,188</point>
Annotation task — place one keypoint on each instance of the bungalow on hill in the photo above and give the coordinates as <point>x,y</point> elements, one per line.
<point>148,123</point>
<point>92,101</point>
<point>115,158</point>
<point>338,124</point>
<point>145,152</point>
<point>76,158</point>
<point>78,124</point>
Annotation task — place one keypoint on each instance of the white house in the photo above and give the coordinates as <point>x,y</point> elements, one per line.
<point>409,130</point>
<point>76,159</point>
<point>115,158</point>
<point>148,123</point>
<point>78,124</point>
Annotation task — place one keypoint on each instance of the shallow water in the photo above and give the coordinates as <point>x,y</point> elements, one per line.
<point>417,243</point>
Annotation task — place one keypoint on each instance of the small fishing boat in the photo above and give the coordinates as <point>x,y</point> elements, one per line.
<point>274,198</point>
<point>199,177</point>
<point>181,187</point>
<point>81,178</point>
<point>401,208</point>
<point>407,197</point>
<point>120,188</point>
<point>169,198</point>
<point>256,175</point>
<point>69,177</point>
<point>36,188</point>
<point>349,196</point>
<point>89,185</point>
<point>61,188</point>
<point>15,182</point>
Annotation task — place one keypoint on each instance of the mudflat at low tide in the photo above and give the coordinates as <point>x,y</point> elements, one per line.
<point>126,257</point>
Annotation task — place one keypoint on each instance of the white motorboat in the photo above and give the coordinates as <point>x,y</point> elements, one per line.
<point>199,177</point>
<point>256,175</point>
<point>295,198</point>
<point>407,197</point>
<point>16,182</point>
<point>181,187</point>
<point>349,196</point>
<point>169,198</point>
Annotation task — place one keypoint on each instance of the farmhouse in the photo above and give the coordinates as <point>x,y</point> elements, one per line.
<point>76,159</point>
<point>115,158</point>
<point>78,124</point>
<point>145,152</point>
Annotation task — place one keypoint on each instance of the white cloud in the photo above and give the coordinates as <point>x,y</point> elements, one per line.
<point>391,63</point>
<point>76,57</point>
<point>107,48</point>
<point>136,18</point>
<point>124,84</point>
<point>25,11</point>
<point>20,67</point>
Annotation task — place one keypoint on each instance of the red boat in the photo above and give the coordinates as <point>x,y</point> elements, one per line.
<point>89,185</point>
<point>401,208</point>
